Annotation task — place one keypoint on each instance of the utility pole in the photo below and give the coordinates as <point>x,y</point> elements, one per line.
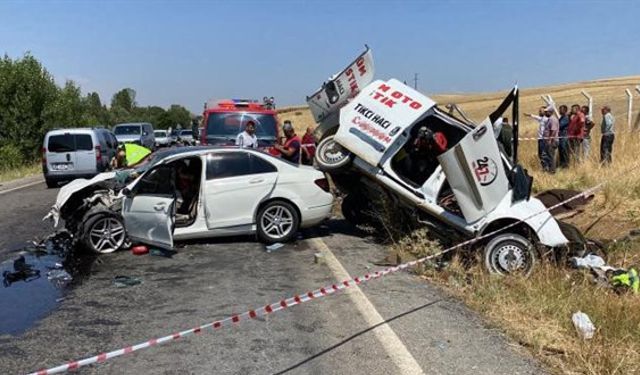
<point>415,81</point>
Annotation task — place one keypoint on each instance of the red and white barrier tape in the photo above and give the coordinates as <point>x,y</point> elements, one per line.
<point>296,299</point>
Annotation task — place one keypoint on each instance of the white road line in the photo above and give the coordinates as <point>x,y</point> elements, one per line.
<point>20,187</point>
<point>391,343</point>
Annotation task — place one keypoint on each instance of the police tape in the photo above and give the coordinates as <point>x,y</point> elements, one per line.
<point>296,299</point>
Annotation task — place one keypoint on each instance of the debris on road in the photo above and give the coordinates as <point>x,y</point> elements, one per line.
<point>162,252</point>
<point>59,278</point>
<point>588,261</point>
<point>274,247</point>
<point>583,324</point>
<point>139,250</point>
<point>22,271</point>
<point>126,281</point>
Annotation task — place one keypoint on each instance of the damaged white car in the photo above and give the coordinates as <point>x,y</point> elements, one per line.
<point>190,193</point>
<point>385,139</point>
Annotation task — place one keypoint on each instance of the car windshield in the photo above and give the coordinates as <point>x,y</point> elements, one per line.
<point>160,134</point>
<point>186,132</point>
<point>229,125</point>
<point>127,130</point>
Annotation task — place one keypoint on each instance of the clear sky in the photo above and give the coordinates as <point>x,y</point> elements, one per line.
<point>186,52</point>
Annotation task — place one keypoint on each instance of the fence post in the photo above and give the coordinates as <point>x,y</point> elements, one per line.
<point>590,99</point>
<point>629,106</point>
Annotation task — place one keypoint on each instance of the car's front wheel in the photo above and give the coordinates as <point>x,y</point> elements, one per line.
<point>509,254</point>
<point>277,221</point>
<point>330,155</point>
<point>103,232</point>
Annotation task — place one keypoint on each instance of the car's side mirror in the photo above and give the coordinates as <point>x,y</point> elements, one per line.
<point>127,192</point>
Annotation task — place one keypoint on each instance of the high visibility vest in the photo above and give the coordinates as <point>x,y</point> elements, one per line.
<point>629,279</point>
<point>135,153</point>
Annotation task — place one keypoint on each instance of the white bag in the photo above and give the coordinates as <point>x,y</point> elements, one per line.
<point>583,325</point>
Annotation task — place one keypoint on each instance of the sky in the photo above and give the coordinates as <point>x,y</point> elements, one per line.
<point>186,52</point>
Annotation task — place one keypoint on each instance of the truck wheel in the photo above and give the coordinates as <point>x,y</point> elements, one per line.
<point>509,254</point>
<point>103,231</point>
<point>330,155</point>
<point>277,221</point>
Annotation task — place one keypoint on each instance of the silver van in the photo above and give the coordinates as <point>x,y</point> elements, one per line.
<point>140,133</point>
<point>76,153</point>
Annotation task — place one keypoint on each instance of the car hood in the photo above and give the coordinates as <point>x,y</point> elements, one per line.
<point>67,191</point>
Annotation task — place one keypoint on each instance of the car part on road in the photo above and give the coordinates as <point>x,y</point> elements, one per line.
<point>331,156</point>
<point>140,250</point>
<point>59,278</point>
<point>162,252</point>
<point>126,281</point>
<point>274,247</point>
<point>509,253</point>
<point>103,231</point>
<point>277,221</point>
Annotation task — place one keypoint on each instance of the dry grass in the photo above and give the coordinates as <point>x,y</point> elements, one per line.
<point>24,171</point>
<point>536,312</point>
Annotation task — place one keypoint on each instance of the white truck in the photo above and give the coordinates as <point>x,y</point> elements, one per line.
<point>462,187</point>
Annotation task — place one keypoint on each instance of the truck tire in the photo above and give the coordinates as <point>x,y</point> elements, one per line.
<point>509,253</point>
<point>331,156</point>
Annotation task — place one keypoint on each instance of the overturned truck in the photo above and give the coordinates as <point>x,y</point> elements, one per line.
<point>385,139</point>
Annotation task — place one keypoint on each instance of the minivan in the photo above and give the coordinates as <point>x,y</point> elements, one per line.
<point>140,133</point>
<point>76,153</point>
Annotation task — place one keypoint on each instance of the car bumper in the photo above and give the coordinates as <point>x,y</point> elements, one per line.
<point>315,215</point>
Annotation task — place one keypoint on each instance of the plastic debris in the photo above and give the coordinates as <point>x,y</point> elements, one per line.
<point>274,247</point>
<point>588,261</point>
<point>60,278</point>
<point>162,253</point>
<point>139,250</point>
<point>126,281</point>
<point>583,324</point>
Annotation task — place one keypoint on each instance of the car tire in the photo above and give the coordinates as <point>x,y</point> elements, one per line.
<point>509,253</point>
<point>103,231</point>
<point>331,156</point>
<point>277,221</point>
<point>51,183</point>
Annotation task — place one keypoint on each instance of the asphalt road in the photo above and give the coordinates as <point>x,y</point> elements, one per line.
<point>395,325</point>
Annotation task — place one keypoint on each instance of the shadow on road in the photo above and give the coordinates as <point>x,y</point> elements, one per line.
<point>354,336</point>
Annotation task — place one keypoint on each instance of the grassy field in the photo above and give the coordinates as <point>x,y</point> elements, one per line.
<point>536,312</point>
<point>24,171</point>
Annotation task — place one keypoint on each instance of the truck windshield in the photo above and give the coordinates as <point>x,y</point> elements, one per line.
<point>231,124</point>
<point>128,129</point>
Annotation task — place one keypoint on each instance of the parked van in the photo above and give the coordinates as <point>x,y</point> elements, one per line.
<point>76,153</point>
<point>137,132</point>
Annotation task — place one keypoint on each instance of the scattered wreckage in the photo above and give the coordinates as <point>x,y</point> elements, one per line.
<point>462,186</point>
<point>194,192</point>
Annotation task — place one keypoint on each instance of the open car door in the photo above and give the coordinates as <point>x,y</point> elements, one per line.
<point>341,87</point>
<point>149,208</point>
<point>374,119</point>
<point>476,172</point>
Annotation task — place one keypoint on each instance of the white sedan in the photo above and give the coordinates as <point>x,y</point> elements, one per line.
<point>197,193</point>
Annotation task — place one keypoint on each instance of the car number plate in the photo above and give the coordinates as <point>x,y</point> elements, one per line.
<point>61,167</point>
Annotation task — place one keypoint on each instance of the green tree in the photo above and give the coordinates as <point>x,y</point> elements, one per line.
<point>95,112</point>
<point>28,94</point>
<point>124,99</point>
<point>174,116</point>
<point>69,109</point>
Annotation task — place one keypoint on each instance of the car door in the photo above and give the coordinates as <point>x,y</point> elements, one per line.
<point>236,183</point>
<point>148,209</point>
<point>476,173</point>
<point>378,116</point>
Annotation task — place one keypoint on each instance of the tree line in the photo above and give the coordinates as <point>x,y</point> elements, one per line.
<point>31,104</point>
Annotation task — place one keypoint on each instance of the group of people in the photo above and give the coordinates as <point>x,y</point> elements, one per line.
<point>565,135</point>
<point>292,148</point>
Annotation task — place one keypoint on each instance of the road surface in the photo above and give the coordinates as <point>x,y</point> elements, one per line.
<point>395,325</point>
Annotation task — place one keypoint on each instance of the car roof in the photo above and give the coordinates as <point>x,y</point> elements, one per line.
<point>73,131</point>
<point>133,124</point>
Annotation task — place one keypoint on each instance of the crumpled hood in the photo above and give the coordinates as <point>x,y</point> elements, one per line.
<point>70,189</point>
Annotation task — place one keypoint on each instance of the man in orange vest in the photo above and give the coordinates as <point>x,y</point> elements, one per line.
<point>291,149</point>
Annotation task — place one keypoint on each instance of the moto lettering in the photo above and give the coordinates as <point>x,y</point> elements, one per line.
<point>399,97</point>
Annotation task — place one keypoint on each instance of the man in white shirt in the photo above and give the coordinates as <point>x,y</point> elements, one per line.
<point>248,139</point>
<point>542,123</point>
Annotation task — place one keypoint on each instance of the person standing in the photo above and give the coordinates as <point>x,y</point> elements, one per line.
<point>542,122</point>
<point>576,132</point>
<point>563,141</point>
<point>248,139</point>
<point>505,138</point>
<point>588,125</point>
<point>290,150</point>
<point>550,138</point>
<point>608,135</point>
